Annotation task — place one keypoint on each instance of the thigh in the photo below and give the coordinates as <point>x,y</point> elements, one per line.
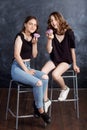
<point>61,68</point>
<point>48,67</point>
<point>21,76</point>
<point>38,74</point>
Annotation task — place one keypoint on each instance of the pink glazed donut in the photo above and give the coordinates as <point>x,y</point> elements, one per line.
<point>49,31</point>
<point>36,35</point>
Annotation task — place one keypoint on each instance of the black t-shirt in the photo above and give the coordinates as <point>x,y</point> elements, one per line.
<point>61,51</point>
<point>26,50</point>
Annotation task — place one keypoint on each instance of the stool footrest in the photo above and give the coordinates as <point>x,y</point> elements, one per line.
<point>22,116</point>
<point>67,100</point>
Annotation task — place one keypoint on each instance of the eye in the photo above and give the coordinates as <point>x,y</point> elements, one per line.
<point>30,23</point>
<point>35,25</point>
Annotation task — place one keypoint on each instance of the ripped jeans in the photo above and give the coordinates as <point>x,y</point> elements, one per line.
<point>18,74</point>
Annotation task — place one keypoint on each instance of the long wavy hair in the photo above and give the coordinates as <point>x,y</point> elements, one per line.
<point>63,25</point>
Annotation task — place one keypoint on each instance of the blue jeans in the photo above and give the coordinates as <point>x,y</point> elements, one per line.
<point>18,74</point>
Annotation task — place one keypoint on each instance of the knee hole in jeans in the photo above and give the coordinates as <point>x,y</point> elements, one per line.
<point>39,83</point>
<point>45,76</point>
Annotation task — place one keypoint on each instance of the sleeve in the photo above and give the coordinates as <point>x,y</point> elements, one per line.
<point>20,34</point>
<point>71,39</point>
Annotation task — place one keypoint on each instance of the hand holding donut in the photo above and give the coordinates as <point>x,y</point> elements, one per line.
<point>35,38</point>
<point>49,34</point>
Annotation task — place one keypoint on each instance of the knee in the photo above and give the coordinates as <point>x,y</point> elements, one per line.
<point>45,77</point>
<point>39,83</point>
<point>55,76</point>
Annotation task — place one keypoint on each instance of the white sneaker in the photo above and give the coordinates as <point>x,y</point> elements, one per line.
<point>46,105</point>
<point>63,95</point>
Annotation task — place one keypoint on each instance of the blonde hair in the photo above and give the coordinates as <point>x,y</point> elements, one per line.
<point>63,25</point>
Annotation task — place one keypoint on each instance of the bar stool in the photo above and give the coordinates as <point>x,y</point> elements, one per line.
<point>20,90</point>
<point>70,74</point>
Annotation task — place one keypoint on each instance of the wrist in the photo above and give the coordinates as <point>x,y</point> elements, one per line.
<point>49,39</point>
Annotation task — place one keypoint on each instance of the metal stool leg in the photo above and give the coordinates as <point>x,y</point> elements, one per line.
<point>77,101</point>
<point>8,99</point>
<point>75,85</point>
<point>51,96</point>
<point>17,111</point>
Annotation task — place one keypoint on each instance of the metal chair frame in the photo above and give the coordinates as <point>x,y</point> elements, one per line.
<point>75,99</point>
<point>8,109</point>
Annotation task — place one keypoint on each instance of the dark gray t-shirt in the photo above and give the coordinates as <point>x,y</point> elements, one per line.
<point>61,51</point>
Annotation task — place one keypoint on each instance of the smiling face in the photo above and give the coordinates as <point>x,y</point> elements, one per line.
<point>57,22</point>
<point>31,26</point>
<point>54,23</point>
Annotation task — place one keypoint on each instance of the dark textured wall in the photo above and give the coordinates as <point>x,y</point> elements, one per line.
<point>12,15</point>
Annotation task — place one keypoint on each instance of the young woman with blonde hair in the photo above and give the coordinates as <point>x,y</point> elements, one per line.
<point>61,48</point>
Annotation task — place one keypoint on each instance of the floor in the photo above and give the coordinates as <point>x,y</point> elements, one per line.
<point>63,113</point>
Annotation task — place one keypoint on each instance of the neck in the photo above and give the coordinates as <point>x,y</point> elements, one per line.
<point>27,36</point>
<point>27,33</point>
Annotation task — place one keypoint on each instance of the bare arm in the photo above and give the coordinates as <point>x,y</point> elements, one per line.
<point>49,45</point>
<point>34,47</point>
<point>17,50</point>
<point>75,67</point>
<point>49,42</point>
